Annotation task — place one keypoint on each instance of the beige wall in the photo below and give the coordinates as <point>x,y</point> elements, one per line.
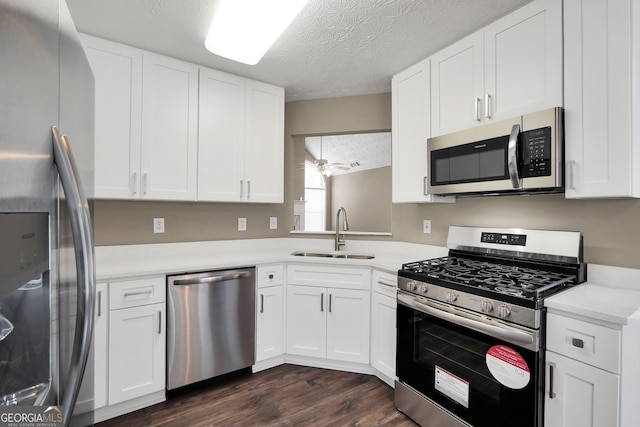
<point>366,196</point>
<point>610,227</point>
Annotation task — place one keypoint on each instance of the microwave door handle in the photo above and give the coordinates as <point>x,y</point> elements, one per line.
<point>512,153</point>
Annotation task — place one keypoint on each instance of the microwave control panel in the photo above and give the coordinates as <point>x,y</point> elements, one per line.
<point>536,152</point>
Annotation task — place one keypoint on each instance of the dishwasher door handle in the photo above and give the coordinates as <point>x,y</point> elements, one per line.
<point>211,279</point>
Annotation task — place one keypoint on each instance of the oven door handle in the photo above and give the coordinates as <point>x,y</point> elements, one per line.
<point>499,331</point>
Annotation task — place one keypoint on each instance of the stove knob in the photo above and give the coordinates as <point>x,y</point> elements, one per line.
<point>486,307</point>
<point>451,297</point>
<point>504,311</point>
<point>422,289</point>
<point>411,286</point>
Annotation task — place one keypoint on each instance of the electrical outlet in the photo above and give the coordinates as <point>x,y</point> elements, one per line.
<point>426,226</point>
<point>242,224</point>
<point>158,225</point>
<point>273,223</point>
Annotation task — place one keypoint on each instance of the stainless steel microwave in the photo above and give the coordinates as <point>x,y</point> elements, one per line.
<point>517,156</point>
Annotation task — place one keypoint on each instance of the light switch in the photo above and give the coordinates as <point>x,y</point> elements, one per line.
<point>242,224</point>
<point>273,223</point>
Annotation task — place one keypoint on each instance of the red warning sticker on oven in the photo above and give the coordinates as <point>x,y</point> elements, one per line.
<point>508,367</point>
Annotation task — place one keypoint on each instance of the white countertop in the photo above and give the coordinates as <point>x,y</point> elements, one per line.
<point>611,294</point>
<point>126,261</point>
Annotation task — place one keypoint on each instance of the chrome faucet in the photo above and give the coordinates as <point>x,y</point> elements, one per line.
<point>345,227</point>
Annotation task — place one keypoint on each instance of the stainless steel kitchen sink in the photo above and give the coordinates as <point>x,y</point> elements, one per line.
<point>333,255</point>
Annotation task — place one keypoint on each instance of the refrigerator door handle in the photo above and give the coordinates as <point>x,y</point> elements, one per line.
<point>81,228</point>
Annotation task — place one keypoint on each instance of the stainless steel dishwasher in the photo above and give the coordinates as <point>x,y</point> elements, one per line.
<point>210,325</point>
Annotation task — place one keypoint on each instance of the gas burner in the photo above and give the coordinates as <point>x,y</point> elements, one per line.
<point>499,283</point>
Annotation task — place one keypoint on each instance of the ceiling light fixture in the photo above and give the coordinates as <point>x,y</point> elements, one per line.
<point>243,30</point>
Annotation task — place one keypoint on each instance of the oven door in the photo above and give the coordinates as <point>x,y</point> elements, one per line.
<point>482,370</point>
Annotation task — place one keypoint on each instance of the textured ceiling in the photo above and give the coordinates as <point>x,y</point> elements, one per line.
<point>333,48</point>
<point>359,152</point>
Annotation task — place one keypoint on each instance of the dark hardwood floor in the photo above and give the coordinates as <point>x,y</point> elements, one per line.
<point>286,395</point>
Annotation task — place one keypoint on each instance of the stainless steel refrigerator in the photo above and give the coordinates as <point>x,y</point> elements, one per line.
<point>47,273</point>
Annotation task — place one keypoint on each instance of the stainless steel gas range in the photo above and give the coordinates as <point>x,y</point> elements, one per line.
<point>471,325</point>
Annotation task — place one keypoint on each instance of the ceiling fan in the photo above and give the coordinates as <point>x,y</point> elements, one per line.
<point>325,167</point>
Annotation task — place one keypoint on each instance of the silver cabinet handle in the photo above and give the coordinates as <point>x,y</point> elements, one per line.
<point>100,304</point>
<point>383,283</point>
<point>261,303</point>
<point>577,342</point>
<point>145,183</point>
<point>512,154</point>
<point>487,106</point>
<point>552,394</point>
<point>424,186</point>
<point>134,183</point>
<point>134,293</point>
<point>248,189</point>
<point>81,231</point>
<point>572,167</point>
<point>321,302</point>
<point>241,189</point>
<point>330,303</point>
<point>477,110</point>
<point>159,322</point>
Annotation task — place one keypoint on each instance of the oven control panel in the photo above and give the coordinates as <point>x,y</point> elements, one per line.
<point>491,307</point>
<point>504,239</point>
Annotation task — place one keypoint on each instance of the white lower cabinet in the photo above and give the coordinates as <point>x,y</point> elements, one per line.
<point>136,370</point>
<point>330,321</point>
<point>269,312</point>
<point>129,345</point>
<point>383,324</point>
<point>582,395</point>
<point>100,348</point>
<point>591,372</point>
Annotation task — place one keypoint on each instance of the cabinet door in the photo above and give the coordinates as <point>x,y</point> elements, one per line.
<point>601,131</point>
<point>523,61</point>
<point>264,146</point>
<point>221,136</point>
<point>117,70</point>
<point>100,347</point>
<point>383,334</point>
<point>169,129</point>
<point>348,325</point>
<point>269,323</point>
<point>584,396</point>
<point>410,125</point>
<point>457,86</point>
<point>136,370</point>
<point>307,321</point>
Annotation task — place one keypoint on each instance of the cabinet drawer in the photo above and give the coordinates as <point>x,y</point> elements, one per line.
<point>384,283</point>
<point>329,276</point>
<point>584,341</point>
<point>133,293</point>
<point>270,275</point>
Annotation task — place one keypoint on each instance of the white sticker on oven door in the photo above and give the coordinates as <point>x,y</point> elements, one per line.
<point>508,367</point>
<point>452,386</point>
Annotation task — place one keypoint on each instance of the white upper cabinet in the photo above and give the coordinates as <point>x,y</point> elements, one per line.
<point>511,67</point>
<point>117,70</point>
<point>457,85</point>
<point>410,130</point>
<point>169,129</point>
<point>264,146</point>
<point>523,61</point>
<point>221,136</point>
<point>241,139</point>
<point>602,97</point>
